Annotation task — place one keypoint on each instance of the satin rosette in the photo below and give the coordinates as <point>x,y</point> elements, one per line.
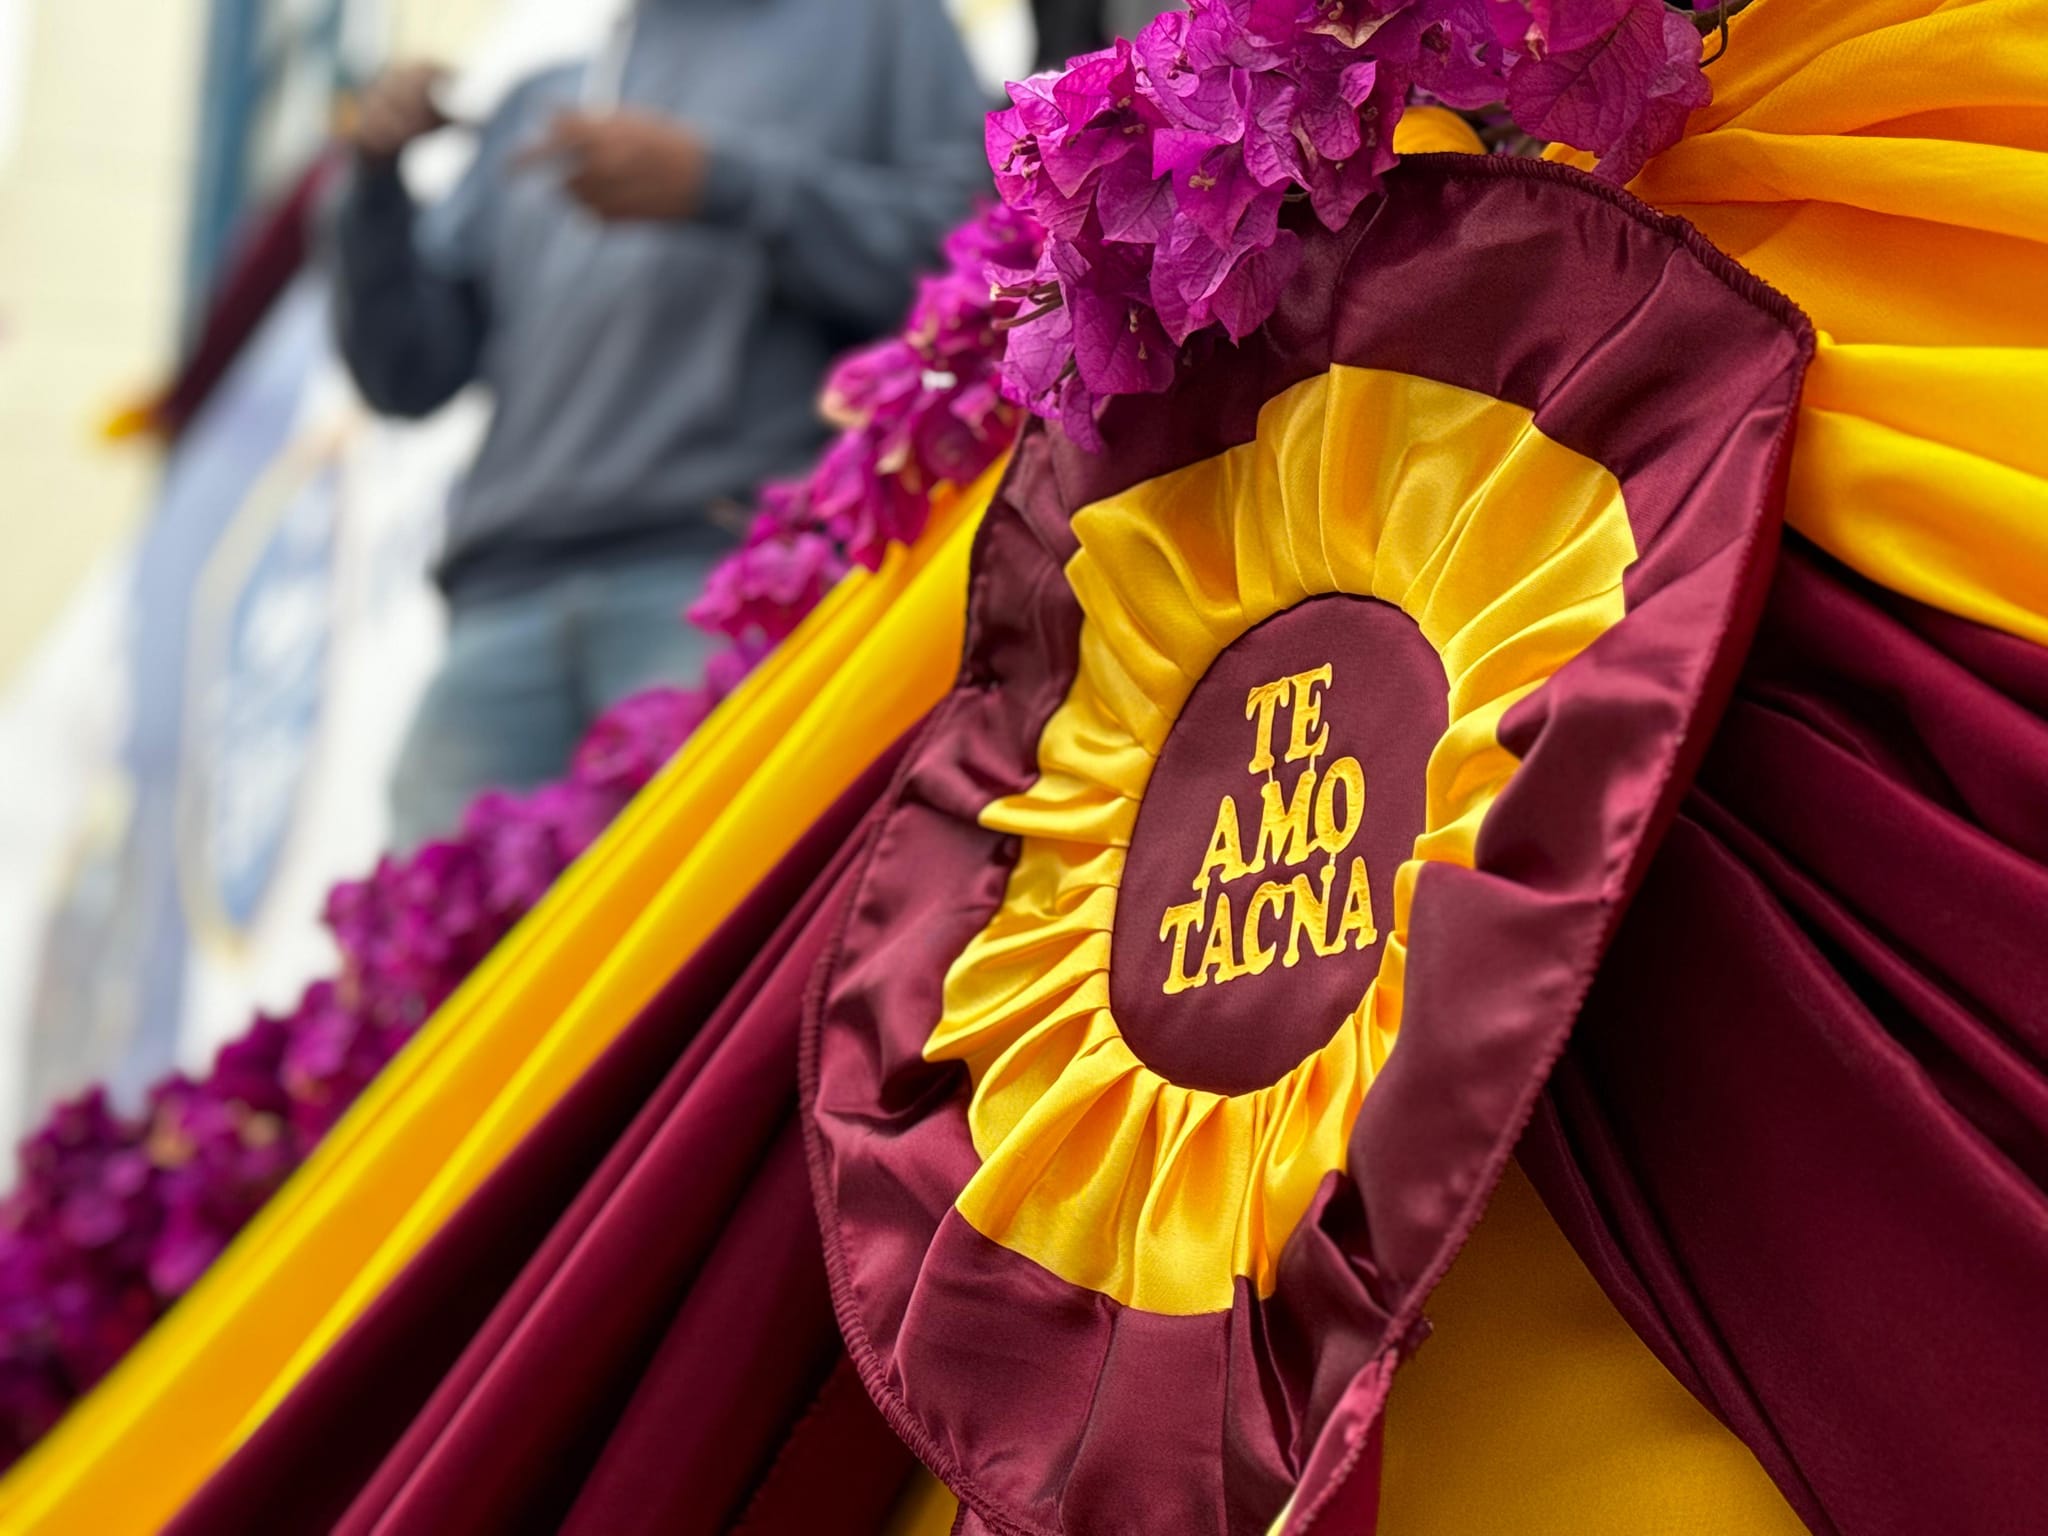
<point>1225,920</point>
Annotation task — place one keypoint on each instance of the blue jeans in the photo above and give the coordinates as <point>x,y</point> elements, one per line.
<point>526,674</point>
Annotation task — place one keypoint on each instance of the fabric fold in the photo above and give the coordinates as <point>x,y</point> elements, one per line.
<point>528,1370</point>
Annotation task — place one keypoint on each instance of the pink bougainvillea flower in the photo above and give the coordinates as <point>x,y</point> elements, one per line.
<point>629,742</point>
<point>1182,145</point>
<point>871,381</point>
<point>1624,94</point>
<point>729,668</point>
<point>769,584</point>
<point>1563,26</point>
<point>1118,345</point>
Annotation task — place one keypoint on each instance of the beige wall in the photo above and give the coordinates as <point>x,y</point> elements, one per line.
<point>94,183</point>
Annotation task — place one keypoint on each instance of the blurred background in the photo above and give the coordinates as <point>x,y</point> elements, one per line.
<point>215,615</point>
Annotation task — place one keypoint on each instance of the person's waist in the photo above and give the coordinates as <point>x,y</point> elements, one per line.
<point>483,565</point>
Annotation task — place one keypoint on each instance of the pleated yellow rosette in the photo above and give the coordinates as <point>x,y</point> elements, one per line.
<point>1885,163</point>
<point>1506,549</point>
<point>865,666</point>
<point>1479,1435</point>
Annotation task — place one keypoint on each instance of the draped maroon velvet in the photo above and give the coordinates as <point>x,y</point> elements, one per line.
<point>580,1292</point>
<point>1799,1132</point>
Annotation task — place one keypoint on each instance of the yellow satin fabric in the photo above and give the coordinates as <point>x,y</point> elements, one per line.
<point>1428,130</point>
<point>1911,226</point>
<point>874,657</point>
<point>1507,551</point>
<point>1885,163</point>
<point>1882,162</point>
<point>1534,1410</point>
<point>927,1508</point>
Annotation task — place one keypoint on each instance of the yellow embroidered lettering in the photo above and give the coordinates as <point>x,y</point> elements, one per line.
<point>1217,952</point>
<point>1333,836</point>
<point>1357,918</point>
<point>1226,847</point>
<point>1259,955</point>
<point>1308,714</point>
<point>1284,830</point>
<point>1323,811</point>
<point>1262,701</point>
<point>1310,915</point>
<point>1177,923</point>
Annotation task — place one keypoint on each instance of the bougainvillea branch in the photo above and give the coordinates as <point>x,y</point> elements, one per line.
<point>1171,171</point>
<point>914,410</point>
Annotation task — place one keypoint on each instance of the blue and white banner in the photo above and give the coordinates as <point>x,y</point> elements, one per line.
<point>277,629</point>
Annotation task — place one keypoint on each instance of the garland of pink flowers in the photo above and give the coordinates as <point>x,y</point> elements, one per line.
<point>115,1215</point>
<point>1171,171</point>
<point>916,410</point>
<point>1152,192</point>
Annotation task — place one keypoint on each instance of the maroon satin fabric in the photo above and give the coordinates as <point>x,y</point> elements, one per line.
<point>579,1293</point>
<point>1801,1133</point>
<point>1797,1135</point>
<point>1629,340</point>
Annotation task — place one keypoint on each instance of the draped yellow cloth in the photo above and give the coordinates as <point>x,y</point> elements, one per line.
<point>1535,1410</point>
<point>1885,164</point>
<point>865,666</point>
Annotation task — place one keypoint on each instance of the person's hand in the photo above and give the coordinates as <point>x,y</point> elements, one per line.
<point>626,165</point>
<point>396,108</point>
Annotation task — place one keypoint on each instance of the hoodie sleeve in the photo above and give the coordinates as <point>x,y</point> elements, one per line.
<point>846,237</point>
<point>410,312</point>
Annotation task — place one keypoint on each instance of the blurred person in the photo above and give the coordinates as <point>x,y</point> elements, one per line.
<point>650,264</point>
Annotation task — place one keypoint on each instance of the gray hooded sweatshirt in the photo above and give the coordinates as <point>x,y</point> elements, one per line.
<point>647,377</point>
